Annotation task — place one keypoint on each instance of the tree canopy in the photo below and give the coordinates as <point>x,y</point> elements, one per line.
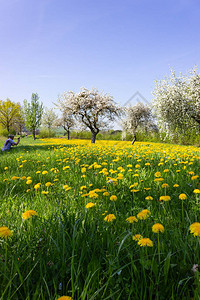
<point>139,115</point>
<point>95,110</point>
<point>10,113</point>
<point>48,118</point>
<point>33,113</point>
<point>66,121</point>
<point>177,101</point>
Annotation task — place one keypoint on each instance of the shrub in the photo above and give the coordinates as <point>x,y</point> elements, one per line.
<point>45,133</point>
<point>5,133</point>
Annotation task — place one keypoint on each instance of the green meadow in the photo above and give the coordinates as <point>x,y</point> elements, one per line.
<point>99,221</point>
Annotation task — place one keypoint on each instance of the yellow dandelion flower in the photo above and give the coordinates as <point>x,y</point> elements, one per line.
<point>194,177</point>
<point>66,187</point>
<point>149,198</point>
<point>165,185</point>
<point>176,185</point>
<point>5,232</point>
<point>83,170</point>
<point>92,194</point>
<point>23,177</point>
<point>158,179</point>
<point>145,242</point>
<point>65,298</point>
<point>45,192</point>
<point>166,170</point>
<point>156,228</point>
<point>113,198</point>
<point>157,174</point>
<point>137,237</point>
<point>191,173</point>
<point>133,185</point>
<point>144,214</point>
<point>37,186</point>
<point>44,172</point>
<point>134,191</point>
<point>110,218</point>
<point>196,191</point>
<point>6,168</point>
<point>83,187</point>
<point>66,167</point>
<point>131,219</point>
<point>165,198</point>
<point>28,214</point>
<point>120,176</point>
<point>89,205</point>
<point>195,229</point>
<point>48,184</point>
<point>106,194</point>
<point>29,182</point>
<point>14,178</point>
<point>182,196</point>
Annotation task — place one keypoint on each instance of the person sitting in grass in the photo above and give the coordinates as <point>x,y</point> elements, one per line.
<point>9,142</point>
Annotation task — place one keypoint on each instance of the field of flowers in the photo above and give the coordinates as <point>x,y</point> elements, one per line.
<point>99,221</point>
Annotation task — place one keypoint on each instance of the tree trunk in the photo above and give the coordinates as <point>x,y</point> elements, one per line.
<point>34,134</point>
<point>134,139</point>
<point>68,134</point>
<point>94,134</point>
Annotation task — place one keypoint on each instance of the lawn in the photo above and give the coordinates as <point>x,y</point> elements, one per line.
<point>99,221</point>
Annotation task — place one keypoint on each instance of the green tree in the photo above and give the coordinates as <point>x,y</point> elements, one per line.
<point>19,122</point>
<point>9,114</point>
<point>48,118</point>
<point>33,114</point>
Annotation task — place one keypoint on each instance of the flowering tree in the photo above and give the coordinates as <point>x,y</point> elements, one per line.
<point>66,121</point>
<point>177,101</point>
<point>95,110</point>
<point>137,115</point>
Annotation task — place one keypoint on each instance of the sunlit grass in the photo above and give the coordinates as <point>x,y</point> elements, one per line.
<point>99,221</point>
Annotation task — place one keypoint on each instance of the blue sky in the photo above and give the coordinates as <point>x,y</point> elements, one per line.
<point>120,47</point>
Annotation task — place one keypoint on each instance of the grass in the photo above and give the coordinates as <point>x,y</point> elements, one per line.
<point>69,249</point>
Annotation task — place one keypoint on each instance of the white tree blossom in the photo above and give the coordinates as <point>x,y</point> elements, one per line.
<point>177,102</point>
<point>95,110</point>
<point>139,115</point>
<point>66,121</point>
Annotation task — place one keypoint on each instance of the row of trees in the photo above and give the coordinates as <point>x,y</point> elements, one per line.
<point>176,108</point>
<point>87,109</point>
